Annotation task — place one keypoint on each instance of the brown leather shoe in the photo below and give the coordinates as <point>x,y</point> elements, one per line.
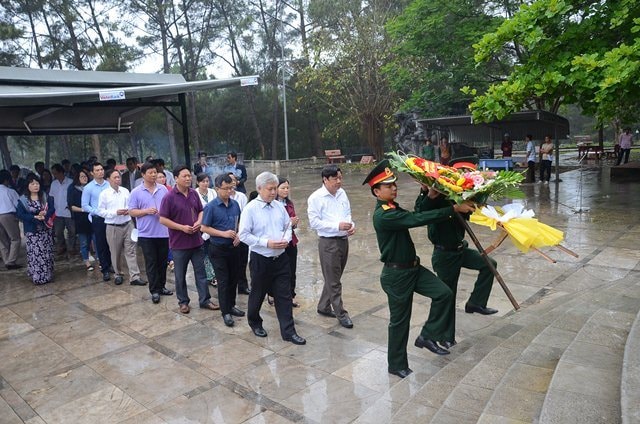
<point>211,306</point>
<point>184,308</point>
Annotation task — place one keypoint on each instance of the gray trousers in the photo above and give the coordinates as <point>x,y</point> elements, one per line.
<point>9,238</point>
<point>123,249</point>
<point>333,259</point>
<point>59,225</point>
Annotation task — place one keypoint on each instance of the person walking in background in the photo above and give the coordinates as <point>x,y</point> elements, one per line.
<point>35,210</point>
<point>238,170</point>
<point>266,228</point>
<point>131,175</point>
<point>329,213</point>
<point>9,228</point>
<point>444,151</point>
<point>428,150</point>
<point>159,163</point>
<point>113,206</point>
<point>207,195</point>
<point>63,220</point>
<point>153,237</point>
<point>90,196</point>
<point>17,182</point>
<point>531,159</point>
<point>220,222</point>
<point>506,146</point>
<point>80,217</point>
<point>625,141</point>
<point>546,155</point>
<point>181,212</point>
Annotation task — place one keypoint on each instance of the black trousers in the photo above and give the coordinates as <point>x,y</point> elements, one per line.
<point>292,253</point>
<point>155,252</point>
<point>243,255</point>
<point>102,247</point>
<point>531,171</point>
<point>545,170</point>
<point>271,275</point>
<point>226,262</point>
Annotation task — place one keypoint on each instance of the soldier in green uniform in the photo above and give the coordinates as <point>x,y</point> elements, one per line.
<point>450,254</point>
<point>402,274</point>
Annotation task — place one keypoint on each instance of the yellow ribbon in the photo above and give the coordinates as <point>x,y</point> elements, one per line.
<point>524,232</point>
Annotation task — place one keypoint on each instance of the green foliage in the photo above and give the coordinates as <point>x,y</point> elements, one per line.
<point>434,55</point>
<point>575,52</point>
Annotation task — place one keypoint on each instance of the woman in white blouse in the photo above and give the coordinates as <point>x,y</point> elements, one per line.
<point>206,196</point>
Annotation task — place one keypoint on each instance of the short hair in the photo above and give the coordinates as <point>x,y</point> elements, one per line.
<point>146,166</point>
<point>57,167</point>
<point>253,195</point>
<point>159,161</point>
<point>132,159</point>
<point>330,171</point>
<point>65,162</point>
<point>265,178</point>
<point>111,171</point>
<point>178,169</point>
<point>14,168</point>
<point>4,176</point>
<point>222,178</point>
<point>201,176</point>
<point>233,154</point>
<point>37,164</point>
<point>529,136</point>
<point>111,162</point>
<point>94,164</point>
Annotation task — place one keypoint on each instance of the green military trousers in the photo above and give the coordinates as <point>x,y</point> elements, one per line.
<point>399,285</point>
<point>447,265</point>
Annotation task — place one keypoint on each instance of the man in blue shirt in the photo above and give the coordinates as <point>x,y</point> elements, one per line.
<point>90,197</point>
<point>220,221</point>
<point>238,170</point>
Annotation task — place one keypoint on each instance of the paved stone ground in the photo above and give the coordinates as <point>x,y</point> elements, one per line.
<point>83,351</point>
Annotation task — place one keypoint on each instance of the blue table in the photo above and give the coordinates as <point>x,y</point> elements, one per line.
<point>506,164</point>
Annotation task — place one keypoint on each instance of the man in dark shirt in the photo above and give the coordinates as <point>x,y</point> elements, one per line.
<point>220,221</point>
<point>402,274</point>
<point>181,212</point>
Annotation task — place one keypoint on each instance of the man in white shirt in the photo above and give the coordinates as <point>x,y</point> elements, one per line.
<point>531,159</point>
<point>266,228</point>
<point>9,229</point>
<point>330,216</point>
<point>113,206</point>
<point>58,190</point>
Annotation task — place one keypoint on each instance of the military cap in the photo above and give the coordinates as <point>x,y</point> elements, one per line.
<point>381,174</point>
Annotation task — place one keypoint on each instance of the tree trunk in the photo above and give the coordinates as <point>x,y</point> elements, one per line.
<point>173,150</point>
<point>47,151</point>
<point>314,131</point>
<point>374,132</point>
<point>134,146</point>
<point>194,129</point>
<point>274,126</point>
<point>6,154</point>
<point>249,96</point>
<point>95,138</point>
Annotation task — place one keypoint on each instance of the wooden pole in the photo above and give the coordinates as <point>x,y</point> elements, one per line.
<point>484,255</point>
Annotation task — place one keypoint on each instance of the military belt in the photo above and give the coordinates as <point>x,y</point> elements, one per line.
<point>403,265</point>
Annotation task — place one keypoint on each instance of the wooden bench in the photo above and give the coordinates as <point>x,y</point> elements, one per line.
<point>334,156</point>
<point>367,159</point>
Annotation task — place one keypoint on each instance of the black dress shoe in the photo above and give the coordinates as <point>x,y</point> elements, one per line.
<point>106,276</point>
<point>166,292</point>
<point>295,339</point>
<point>401,373</point>
<point>345,322</point>
<point>329,314</point>
<point>155,298</point>
<point>447,344</point>
<point>119,280</point>
<point>138,282</point>
<point>431,345</point>
<point>237,312</point>
<point>228,320</point>
<point>244,291</point>
<point>469,308</point>
<point>259,331</point>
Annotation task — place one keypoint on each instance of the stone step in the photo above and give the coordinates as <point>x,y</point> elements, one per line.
<point>586,383</point>
<point>629,393</point>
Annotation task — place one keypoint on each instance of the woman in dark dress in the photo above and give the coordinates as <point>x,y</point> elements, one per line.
<point>292,249</point>
<point>35,209</point>
<point>80,217</point>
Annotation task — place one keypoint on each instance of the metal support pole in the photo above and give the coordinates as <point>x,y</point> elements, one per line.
<point>185,129</point>
<point>484,255</point>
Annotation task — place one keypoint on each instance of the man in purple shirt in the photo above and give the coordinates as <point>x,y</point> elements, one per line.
<point>181,212</point>
<point>153,237</point>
